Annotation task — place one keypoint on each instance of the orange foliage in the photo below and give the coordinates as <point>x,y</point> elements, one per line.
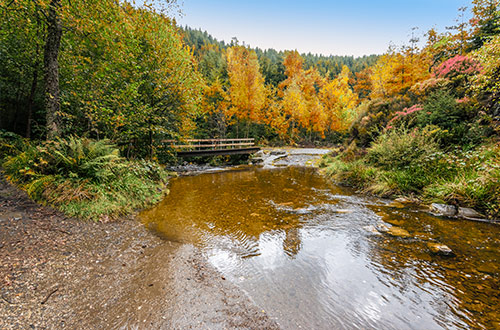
<point>247,92</point>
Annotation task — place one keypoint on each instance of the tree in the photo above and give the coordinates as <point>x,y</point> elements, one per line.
<point>339,101</point>
<point>215,105</point>
<point>485,21</point>
<point>247,92</point>
<point>51,69</point>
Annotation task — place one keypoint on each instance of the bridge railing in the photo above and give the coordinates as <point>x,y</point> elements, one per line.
<point>210,144</point>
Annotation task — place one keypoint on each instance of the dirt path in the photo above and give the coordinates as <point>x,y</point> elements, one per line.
<point>57,272</point>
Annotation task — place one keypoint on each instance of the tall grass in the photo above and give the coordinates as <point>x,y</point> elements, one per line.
<point>403,162</point>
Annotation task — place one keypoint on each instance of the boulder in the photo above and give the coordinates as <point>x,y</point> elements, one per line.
<point>440,249</point>
<point>488,268</point>
<point>398,232</point>
<point>444,210</point>
<point>467,213</point>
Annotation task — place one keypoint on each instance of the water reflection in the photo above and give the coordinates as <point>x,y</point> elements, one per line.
<point>299,247</point>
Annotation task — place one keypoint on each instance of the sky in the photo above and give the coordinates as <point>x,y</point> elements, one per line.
<point>355,27</point>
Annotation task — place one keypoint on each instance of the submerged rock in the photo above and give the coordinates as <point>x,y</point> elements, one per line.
<point>398,232</point>
<point>394,222</point>
<point>397,205</point>
<point>488,268</point>
<point>444,210</point>
<point>440,249</point>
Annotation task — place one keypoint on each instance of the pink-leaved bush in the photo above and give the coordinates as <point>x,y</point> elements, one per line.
<point>404,113</point>
<point>458,65</point>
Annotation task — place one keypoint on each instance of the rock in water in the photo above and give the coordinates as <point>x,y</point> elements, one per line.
<point>444,209</point>
<point>383,228</point>
<point>397,205</point>
<point>467,213</point>
<point>440,249</point>
<point>398,232</point>
<point>404,200</point>
<point>342,211</point>
<point>371,229</point>
<point>300,211</point>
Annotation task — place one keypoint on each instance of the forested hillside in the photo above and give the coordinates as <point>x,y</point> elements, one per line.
<point>112,70</point>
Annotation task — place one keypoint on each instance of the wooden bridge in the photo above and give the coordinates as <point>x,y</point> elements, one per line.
<point>214,147</point>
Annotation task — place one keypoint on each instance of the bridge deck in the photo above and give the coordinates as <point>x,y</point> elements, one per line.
<point>213,147</point>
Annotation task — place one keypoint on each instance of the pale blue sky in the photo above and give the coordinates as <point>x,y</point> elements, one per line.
<point>355,27</point>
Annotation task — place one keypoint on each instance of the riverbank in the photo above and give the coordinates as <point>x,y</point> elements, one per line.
<point>58,272</point>
<point>414,167</point>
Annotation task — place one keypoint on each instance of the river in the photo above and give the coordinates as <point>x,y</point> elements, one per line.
<point>304,250</point>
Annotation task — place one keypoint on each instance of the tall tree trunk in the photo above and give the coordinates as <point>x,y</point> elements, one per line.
<point>51,63</point>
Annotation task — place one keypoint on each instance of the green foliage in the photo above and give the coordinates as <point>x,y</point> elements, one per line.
<point>476,180</point>
<point>11,144</point>
<point>86,178</point>
<point>373,117</point>
<point>467,178</point>
<point>401,148</point>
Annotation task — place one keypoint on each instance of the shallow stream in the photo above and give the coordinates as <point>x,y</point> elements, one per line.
<point>305,251</point>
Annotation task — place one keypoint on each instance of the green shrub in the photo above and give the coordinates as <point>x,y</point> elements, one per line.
<point>402,148</point>
<point>476,182</point>
<point>86,178</point>
<point>10,144</point>
<point>410,163</point>
<point>374,115</point>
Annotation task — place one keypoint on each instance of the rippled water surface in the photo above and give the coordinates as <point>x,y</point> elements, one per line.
<point>306,252</point>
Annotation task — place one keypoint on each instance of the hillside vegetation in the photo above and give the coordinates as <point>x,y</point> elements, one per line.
<point>78,77</point>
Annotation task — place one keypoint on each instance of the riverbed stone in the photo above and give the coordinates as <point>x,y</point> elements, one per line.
<point>488,268</point>
<point>383,228</point>
<point>406,200</point>
<point>398,232</point>
<point>301,211</point>
<point>343,211</point>
<point>468,213</point>
<point>397,205</point>
<point>372,229</point>
<point>394,222</point>
<point>277,152</point>
<point>440,249</point>
<point>444,209</point>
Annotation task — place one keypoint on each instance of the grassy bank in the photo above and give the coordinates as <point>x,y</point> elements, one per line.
<point>411,163</point>
<point>81,177</point>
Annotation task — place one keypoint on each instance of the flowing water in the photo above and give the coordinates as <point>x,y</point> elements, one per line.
<point>306,251</point>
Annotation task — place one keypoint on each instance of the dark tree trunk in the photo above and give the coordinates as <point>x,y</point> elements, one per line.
<point>51,66</point>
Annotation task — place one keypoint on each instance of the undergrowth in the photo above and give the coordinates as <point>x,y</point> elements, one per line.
<point>405,162</point>
<point>85,178</point>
